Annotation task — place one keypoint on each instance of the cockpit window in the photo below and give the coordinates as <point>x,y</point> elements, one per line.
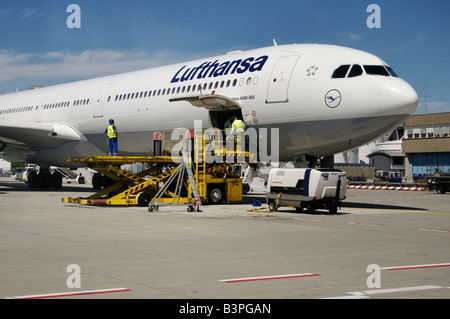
<point>376,70</point>
<point>341,71</point>
<point>355,71</point>
<point>391,71</point>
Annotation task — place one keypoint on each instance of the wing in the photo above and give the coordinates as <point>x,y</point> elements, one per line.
<point>36,136</point>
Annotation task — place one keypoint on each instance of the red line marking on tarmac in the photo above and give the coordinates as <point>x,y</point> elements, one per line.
<point>438,230</point>
<point>75,293</point>
<point>268,278</point>
<point>416,266</point>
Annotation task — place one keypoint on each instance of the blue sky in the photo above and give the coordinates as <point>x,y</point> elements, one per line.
<point>37,47</point>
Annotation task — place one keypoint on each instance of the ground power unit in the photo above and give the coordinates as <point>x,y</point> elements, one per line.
<point>302,188</point>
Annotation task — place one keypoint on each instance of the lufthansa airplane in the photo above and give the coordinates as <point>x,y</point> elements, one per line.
<point>324,99</point>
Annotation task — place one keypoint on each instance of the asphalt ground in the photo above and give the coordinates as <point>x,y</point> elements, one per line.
<point>380,245</point>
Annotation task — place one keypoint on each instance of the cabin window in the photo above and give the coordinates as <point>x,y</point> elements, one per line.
<point>341,71</point>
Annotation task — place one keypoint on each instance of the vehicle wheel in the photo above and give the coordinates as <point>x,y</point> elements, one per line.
<point>81,180</point>
<point>272,206</point>
<point>440,190</point>
<point>299,209</point>
<point>310,209</point>
<point>215,195</point>
<point>144,199</point>
<point>333,209</point>
<point>245,188</point>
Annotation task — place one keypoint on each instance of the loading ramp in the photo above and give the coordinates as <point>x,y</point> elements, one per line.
<point>183,179</point>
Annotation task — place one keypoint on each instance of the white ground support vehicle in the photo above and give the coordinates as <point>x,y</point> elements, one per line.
<point>306,188</point>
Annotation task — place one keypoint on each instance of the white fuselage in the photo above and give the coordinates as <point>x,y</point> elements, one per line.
<point>290,87</point>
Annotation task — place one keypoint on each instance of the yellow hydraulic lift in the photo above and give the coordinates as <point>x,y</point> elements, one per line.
<point>196,181</point>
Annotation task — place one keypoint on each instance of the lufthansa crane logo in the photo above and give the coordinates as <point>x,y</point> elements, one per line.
<point>333,98</point>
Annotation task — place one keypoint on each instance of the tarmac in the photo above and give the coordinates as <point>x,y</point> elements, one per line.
<point>382,244</point>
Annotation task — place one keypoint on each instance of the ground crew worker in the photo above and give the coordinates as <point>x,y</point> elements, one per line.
<point>238,127</point>
<point>228,125</point>
<point>111,132</point>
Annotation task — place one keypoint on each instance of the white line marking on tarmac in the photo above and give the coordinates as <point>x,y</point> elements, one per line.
<point>416,266</point>
<point>391,290</point>
<point>268,277</point>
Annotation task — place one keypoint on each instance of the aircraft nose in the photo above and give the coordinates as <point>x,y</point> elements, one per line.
<point>397,97</point>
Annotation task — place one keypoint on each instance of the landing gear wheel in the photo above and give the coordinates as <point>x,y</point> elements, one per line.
<point>56,180</point>
<point>190,209</point>
<point>32,180</point>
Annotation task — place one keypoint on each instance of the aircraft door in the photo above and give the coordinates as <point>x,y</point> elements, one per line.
<point>101,99</point>
<point>39,109</point>
<point>277,92</point>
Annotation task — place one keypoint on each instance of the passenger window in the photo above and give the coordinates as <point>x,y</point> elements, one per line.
<point>355,71</point>
<point>376,70</point>
<point>341,71</point>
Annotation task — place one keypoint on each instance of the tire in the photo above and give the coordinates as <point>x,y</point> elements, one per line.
<point>440,190</point>
<point>144,199</point>
<point>272,206</point>
<point>245,188</point>
<point>310,209</point>
<point>215,195</point>
<point>333,209</point>
<point>32,180</point>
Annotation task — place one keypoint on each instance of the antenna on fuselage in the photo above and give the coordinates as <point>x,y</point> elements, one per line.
<point>274,43</point>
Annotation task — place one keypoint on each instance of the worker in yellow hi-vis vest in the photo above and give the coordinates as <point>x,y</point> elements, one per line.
<point>227,125</point>
<point>111,132</point>
<point>238,127</point>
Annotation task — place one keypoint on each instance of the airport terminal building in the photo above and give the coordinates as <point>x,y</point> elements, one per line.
<point>426,144</point>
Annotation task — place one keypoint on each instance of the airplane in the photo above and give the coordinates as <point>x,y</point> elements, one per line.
<point>324,99</point>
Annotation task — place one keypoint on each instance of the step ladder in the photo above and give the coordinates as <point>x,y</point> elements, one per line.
<point>178,174</point>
